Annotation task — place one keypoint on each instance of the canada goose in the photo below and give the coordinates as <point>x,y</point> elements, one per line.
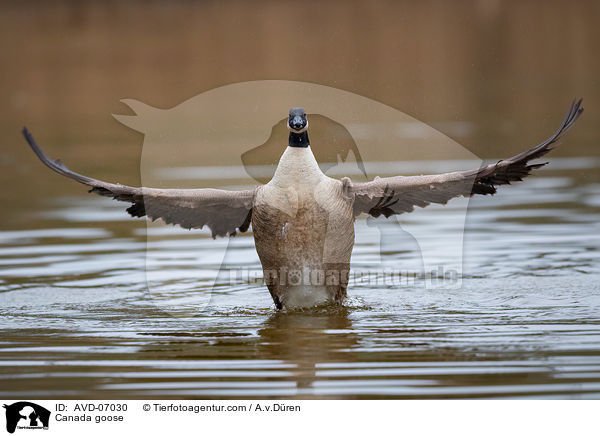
<point>303,221</point>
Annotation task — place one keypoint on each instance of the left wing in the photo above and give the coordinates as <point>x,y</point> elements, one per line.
<point>395,195</point>
<point>224,212</point>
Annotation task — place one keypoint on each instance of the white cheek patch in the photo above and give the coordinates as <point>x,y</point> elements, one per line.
<point>304,129</point>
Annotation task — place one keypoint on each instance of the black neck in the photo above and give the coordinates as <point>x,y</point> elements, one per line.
<point>299,139</point>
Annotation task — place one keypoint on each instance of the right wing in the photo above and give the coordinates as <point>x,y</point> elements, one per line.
<point>224,212</point>
<point>395,195</point>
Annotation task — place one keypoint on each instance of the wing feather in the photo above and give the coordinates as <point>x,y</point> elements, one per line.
<point>395,195</point>
<point>224,212</point>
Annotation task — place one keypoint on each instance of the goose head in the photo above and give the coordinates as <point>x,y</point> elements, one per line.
<point>297,121</point>
<point>297,124</point>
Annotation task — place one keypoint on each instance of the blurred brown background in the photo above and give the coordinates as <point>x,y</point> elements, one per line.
<point>510,68</point>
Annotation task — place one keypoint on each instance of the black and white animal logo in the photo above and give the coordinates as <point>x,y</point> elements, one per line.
<point>26,415</point>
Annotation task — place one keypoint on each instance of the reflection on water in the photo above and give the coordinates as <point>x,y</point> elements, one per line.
<point>77,319</point>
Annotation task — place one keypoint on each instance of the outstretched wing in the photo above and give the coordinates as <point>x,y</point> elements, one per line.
<point>224,212</point>
<point>395,195</point>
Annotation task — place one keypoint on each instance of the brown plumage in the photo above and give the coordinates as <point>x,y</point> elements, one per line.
<point>224,212</point>
<point>394,195</point>
<point>303,221</point>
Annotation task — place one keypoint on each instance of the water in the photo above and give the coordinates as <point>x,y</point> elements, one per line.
<point>77,319</point>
